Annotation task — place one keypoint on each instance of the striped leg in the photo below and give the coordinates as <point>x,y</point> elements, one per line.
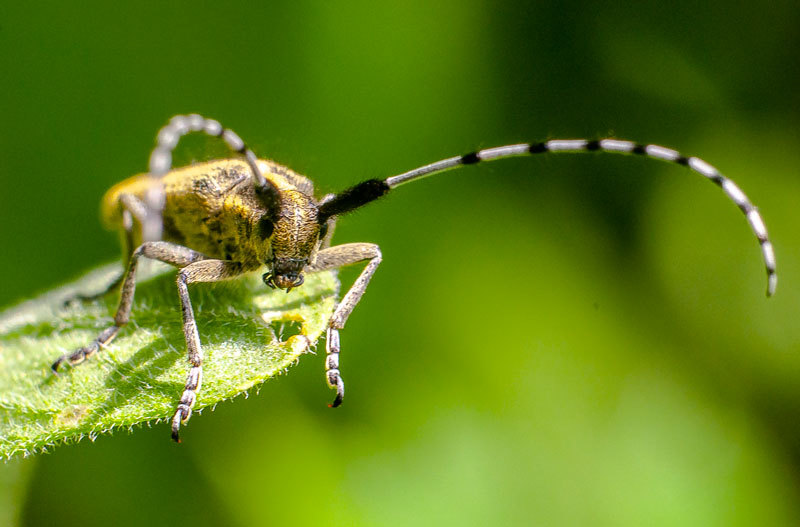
<point>166,252</point>
<point>333,258</point>
<point>202,271</point>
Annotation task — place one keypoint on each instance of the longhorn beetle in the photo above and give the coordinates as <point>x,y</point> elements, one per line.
<point>217,220</point>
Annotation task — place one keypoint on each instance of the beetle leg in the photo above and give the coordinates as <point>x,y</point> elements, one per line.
<point>332,258</point>
<point>200,271</point>
<point>166,252</point>
<point>132,209</point>
<point>329,227</point>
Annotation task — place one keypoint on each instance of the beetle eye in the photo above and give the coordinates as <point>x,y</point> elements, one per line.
<point>265,228</point>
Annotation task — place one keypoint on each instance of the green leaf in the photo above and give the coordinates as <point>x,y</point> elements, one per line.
<point>249,334</point>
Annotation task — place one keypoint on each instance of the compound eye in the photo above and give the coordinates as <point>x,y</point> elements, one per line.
<point>323,231</point>
<point>267,277</point>
<point>265,227</point>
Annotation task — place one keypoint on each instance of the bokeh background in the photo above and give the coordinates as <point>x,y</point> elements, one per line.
<point>562,340</point>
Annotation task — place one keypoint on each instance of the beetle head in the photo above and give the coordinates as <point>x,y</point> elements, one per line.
<point>293,240</point>
<point>286,273</point>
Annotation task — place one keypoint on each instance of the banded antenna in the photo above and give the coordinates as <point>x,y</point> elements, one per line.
<point>370,190</point>
<point>161,163</point>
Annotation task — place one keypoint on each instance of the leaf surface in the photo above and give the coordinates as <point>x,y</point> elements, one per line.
<point>249,334</point>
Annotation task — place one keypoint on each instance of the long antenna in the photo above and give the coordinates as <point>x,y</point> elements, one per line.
<point>370,190</point>
<point>161,162</point>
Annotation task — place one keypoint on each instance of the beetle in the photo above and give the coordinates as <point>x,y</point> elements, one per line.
<point>217,220</point>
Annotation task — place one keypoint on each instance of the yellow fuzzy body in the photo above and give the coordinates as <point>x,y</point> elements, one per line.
<point>213,208</point>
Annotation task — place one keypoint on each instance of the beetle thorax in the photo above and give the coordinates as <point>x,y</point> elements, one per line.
<point>294,238</point>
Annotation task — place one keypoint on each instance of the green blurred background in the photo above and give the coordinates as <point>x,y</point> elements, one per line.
<point>562,340</point>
